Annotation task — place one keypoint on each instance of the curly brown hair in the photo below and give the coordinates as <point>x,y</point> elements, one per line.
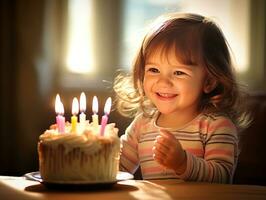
<point>197,41</point>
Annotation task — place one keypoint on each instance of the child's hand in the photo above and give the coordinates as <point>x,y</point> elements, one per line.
<point>168,152</point>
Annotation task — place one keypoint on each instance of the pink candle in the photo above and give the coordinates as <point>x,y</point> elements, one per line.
<point>60,119</point>
<point>107,109</point>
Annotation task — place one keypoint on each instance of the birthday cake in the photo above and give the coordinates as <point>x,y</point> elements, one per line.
<point>79,157</point>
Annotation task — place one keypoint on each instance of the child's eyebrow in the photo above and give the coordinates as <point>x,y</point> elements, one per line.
<point>179,65</point>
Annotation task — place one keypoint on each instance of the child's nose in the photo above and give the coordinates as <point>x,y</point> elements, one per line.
<point>164,81</point>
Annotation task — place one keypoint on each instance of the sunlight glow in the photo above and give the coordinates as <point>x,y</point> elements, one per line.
<point>237,34</point>
<point>79,49</point>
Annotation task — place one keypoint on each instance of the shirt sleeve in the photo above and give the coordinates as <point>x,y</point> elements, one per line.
<point>129,159</point>
<point>220,157</point>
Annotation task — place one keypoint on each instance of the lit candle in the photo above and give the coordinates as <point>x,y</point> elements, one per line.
<point>82,107</point>
<point>107,109</point>
<point>60,119</point>
<point>95,106</point>
<point>74,119</point>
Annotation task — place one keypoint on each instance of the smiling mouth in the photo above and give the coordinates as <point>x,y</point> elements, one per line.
<point>166,96</point>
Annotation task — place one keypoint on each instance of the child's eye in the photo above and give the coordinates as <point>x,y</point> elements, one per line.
<point>178,73</point>
<point>153,70</point>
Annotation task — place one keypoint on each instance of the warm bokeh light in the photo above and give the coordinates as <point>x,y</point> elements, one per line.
<point>79,52</point>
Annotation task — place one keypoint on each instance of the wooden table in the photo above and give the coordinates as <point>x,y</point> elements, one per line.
<point>20,188</point>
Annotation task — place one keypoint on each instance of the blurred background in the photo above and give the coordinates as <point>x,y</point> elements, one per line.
<point>74,46</point>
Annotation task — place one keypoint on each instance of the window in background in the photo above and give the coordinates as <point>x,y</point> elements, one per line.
<point>91,47</point>
<point>79,57</point>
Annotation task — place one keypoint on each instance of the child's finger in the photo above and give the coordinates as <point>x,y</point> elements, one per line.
<point>167,138</point>
<point>159,149</point>
<point>159,156</point>
<point>162,142</point>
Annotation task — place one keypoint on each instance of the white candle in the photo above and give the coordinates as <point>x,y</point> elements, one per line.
<point>107,109</point>
<point>95,107</point>
<point>60,119</point>
<point>82,107</point>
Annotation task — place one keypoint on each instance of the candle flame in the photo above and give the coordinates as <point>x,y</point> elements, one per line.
<point>107,106</point>
<point>95,105</point>
<point>82,101</point>
<point>59,107</point>
<point>75,106</point>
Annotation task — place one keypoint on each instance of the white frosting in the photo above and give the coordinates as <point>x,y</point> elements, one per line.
<point>87,141</point>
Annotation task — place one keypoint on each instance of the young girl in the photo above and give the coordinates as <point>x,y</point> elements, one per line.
<point>184,97</point>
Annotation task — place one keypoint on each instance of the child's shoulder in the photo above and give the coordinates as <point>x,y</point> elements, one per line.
<point>215,118</point>
<point>142,123</point>
<point>217,122</point>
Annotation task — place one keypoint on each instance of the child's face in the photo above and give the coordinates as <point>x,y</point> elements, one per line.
<point>173,87</point>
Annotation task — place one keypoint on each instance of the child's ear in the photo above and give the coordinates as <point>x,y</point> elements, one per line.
<point>209,85</point>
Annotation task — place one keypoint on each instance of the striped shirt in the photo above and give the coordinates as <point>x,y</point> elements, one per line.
<point>210,143</point>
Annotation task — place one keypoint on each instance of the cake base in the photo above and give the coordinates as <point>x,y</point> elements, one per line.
<point>58,163</point>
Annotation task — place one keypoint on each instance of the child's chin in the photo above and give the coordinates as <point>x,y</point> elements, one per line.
<point>166,111</point>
